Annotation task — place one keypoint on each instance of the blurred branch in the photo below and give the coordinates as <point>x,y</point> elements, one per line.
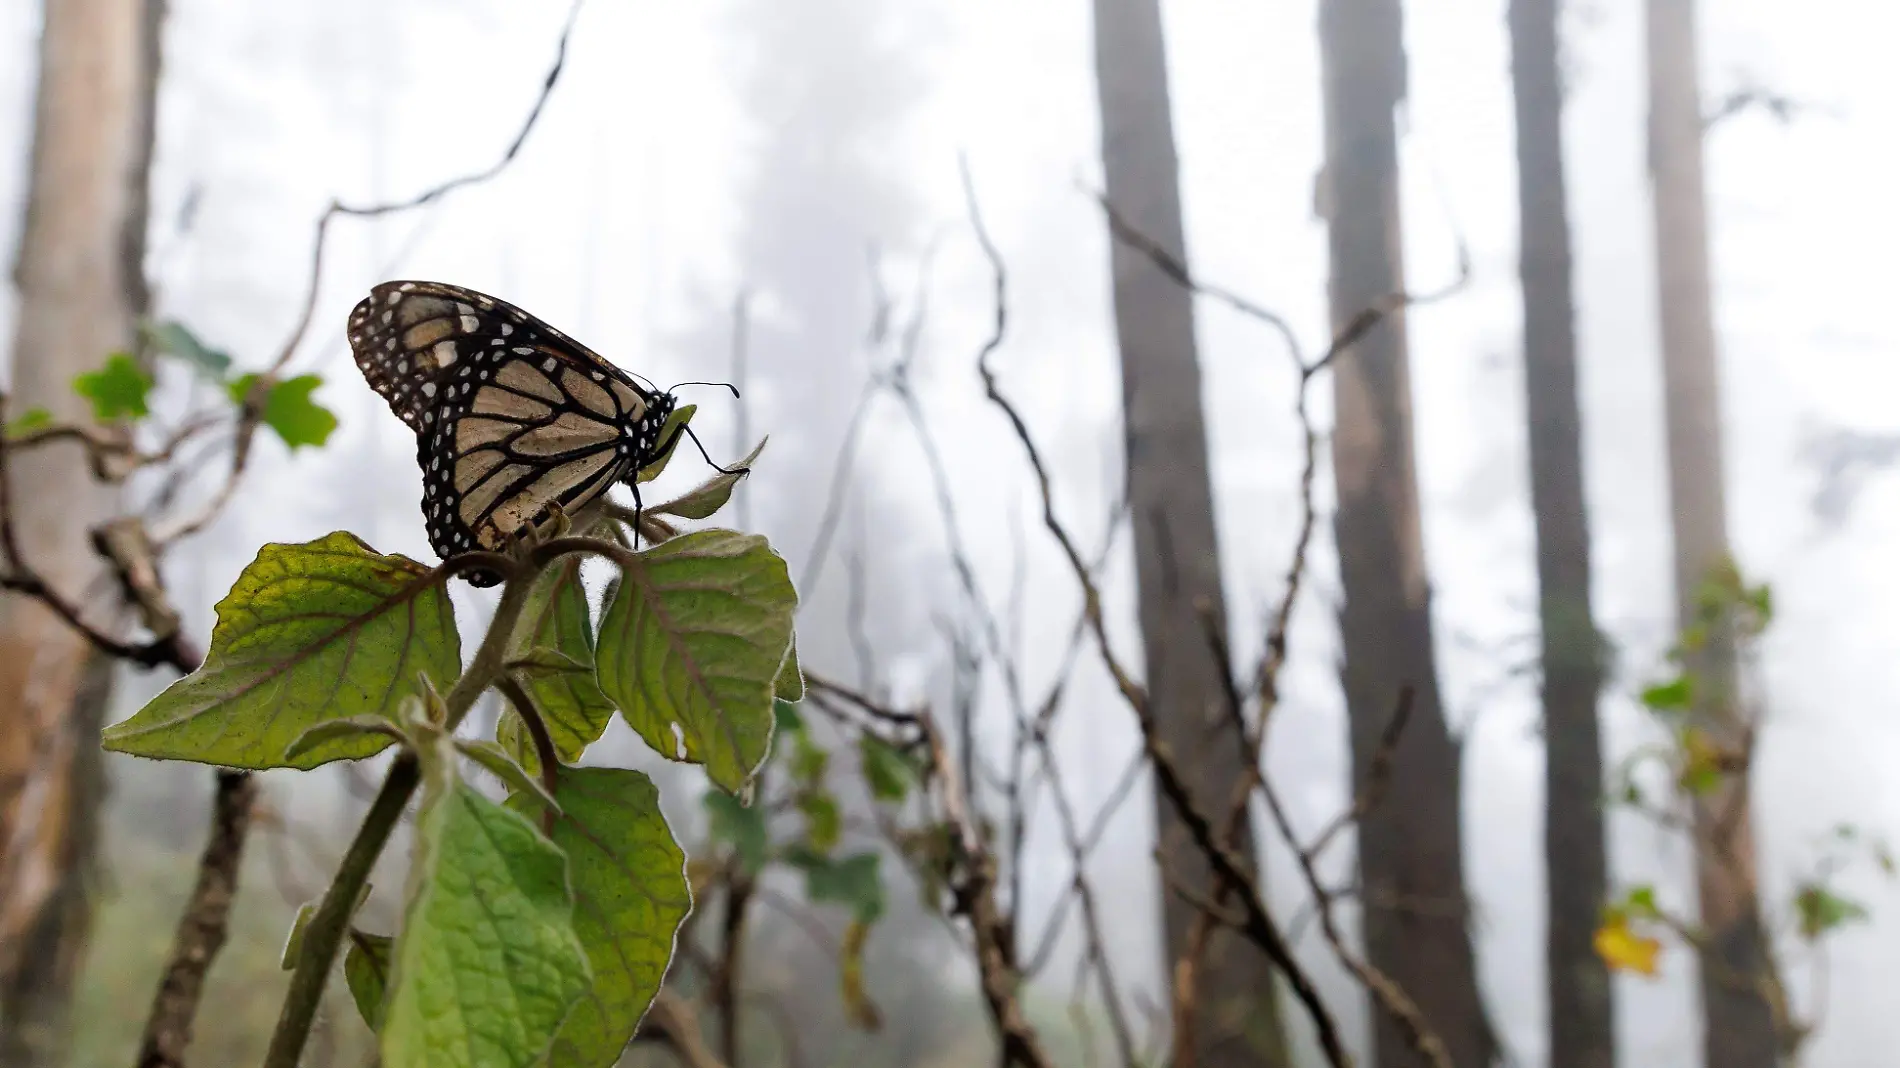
<point>673,1023</point>
<point>1228,864</point>
<point>1392,998</point>
<point>251,416</point>
<point>202,929</point>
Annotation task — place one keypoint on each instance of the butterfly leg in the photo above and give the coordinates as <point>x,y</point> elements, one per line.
<point>636,515</point>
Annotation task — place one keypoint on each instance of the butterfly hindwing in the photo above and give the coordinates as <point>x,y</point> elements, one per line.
<point>511,416</point>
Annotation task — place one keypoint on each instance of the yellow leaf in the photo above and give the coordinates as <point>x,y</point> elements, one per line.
<point>1623,949</point>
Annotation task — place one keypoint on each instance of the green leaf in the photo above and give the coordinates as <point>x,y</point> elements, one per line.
<point>1641,902</point>
<point>174,339</point>
<point>496,759</point>
<point>553,647</point>
<point>691,644</point>
<point>26,422</point>
<point>348,728</point>
<point>320,631</point>
<point>117,390</point>
<point>790,683</point>
<point>289,410</point>
<point>785,715</point>
<point>809,760</point>
<point>488,961</point>
<point>675,422</point>
<point>1676,695</point>
<point>852,881</point>
<point>631,895</point>
<point>366,970</point>
<point>740,825</point>
<point>293,942</point>
<point>1820,910</point>
<point>823,823</point>
<point>709,496</point>
<point>886,772</point>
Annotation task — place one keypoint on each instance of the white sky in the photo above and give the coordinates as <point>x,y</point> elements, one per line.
<point>620,223</point>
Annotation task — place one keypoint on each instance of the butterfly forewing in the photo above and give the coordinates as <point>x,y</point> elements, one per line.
<point>511,416</point>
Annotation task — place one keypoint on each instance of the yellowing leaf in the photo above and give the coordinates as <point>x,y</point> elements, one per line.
<point>1623,949</point>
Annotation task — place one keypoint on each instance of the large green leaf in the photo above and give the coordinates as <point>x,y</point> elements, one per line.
<point>691,644</point>
<point>630,897</point>
<point>314,632</point>
<point>555,619</point>
<point>488,962</point>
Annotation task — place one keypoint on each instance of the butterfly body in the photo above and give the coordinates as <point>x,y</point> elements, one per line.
<point>512,417</point>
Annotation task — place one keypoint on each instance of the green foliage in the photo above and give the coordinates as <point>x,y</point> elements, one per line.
<point>488,962</point>
<point>852,881</point>
<point>118,390</point>
<point>785,716</point>
<point>173,339</point>
<point>1819,910</point>
<point>366,971</point>
<point>1676,695</point>
<point>553,654</point>
<point>711,495</point>
<point>288,409</point>
<point>517,948</point>
<point>824,824</point>
<point>630,895</point>
<point>691,645</point>
<point>738,825</point>
<point>887,772</point>
<point>293,942</point>
<point>790,684</point>
<point>319,631</point>
<point>28,421</point>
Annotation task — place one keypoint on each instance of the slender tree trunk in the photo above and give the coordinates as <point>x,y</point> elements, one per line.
<point>1235,1018</point>
<point>1411,845</point>
<point>1581,1032</point>
<point>82,287</point>
<point>1739,1024</point>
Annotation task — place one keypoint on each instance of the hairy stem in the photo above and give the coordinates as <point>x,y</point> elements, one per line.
<point>324,937</point>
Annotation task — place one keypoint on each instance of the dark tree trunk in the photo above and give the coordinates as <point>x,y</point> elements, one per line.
<point>1411,845</point>
<point>82,289</point>
<point>1581,1033</point>
<point>1235,1019</point>
<point>1739,1028</point>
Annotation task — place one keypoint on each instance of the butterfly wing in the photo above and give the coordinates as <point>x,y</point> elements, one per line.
<point>511,416</point>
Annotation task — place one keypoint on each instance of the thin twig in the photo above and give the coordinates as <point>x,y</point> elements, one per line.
<point>1259,927</point>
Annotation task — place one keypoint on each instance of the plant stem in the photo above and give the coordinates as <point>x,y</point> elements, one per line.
<point>324,937</point>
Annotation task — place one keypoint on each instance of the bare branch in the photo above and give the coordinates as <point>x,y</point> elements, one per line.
<point>1259,927</point>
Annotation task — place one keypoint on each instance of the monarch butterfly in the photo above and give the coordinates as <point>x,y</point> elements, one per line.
<point>512,417</point>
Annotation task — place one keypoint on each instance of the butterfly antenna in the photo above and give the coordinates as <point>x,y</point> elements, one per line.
<point>723,385</point>
<point>702,448</point>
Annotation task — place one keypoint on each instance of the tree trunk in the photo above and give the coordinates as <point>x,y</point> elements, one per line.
<point>1581,1032</point>
<point>81,287</point>
<point>1235,1014</point>
<point>1411,845</point>
<point>1738,1022</point>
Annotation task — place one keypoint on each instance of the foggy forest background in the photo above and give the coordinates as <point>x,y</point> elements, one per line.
<point>774,193</point>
